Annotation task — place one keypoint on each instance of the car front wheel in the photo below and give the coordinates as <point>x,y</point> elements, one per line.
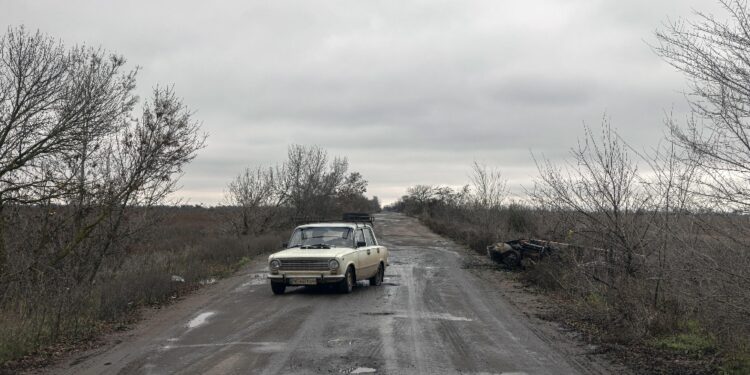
<point>278,288</point>
<point>347,285</point>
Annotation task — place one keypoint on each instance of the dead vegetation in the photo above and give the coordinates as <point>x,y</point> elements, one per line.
<point>79,174</point>
<point>84,237</point>
<point>663,246</point>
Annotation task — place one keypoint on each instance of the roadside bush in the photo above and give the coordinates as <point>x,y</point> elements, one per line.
<point>645,266</point>
<point>519,220</point>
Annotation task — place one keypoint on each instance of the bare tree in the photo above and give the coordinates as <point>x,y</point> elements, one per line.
<point>78,170</point>
<point>254,192</point>
<point>489,190</point>
<point>307,184</point>
<point>137,167</point>
<point>51,100</point>
<point>715,55</point>
<point>600,191</point>
<point>311,184</point>
<point>54,104</point>
<point>421,194</point>
<point>488,185</point>
<point>303,177</point>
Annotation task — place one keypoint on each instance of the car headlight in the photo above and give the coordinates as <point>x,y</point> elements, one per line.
<point>275,264</point>
<point>333,264</point>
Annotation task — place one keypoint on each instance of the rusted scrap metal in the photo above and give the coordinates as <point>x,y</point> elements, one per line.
<point>511,253</point>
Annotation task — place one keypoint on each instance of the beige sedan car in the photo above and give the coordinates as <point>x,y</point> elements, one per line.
<point>329,253</point>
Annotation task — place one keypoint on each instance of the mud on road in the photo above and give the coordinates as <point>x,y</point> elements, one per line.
<point>432,315</point>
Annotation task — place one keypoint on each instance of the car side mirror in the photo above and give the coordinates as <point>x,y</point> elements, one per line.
<point>361,244</point>
<point>284,245</point>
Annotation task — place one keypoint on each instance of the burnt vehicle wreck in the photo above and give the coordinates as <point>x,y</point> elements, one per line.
<point>512,253</point>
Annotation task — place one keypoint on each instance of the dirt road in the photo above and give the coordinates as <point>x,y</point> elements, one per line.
<point>431,316</point>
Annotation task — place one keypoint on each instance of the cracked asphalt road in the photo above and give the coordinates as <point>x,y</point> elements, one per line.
<point>430,316</point>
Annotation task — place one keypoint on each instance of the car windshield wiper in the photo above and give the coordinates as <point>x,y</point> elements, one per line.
<point>316,246</point>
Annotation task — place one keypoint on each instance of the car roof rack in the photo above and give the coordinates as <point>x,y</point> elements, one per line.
<point>348,217</point>
<point>358,217</point>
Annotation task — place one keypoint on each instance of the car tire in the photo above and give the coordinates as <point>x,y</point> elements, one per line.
<point>347,284</point>
<point>377,280</point>
<point>278,288</point>
<point>512,258</point>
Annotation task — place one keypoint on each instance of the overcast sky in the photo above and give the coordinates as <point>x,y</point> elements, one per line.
<point>410,91</point>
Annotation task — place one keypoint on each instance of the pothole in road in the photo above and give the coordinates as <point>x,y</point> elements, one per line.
<point>363,370</point>
<point>340,342</point>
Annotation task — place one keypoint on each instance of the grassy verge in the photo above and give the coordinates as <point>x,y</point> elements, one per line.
<point>181,255</point>
<point>649,339</point>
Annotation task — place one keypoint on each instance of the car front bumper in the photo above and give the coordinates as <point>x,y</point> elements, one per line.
<point>294,279</point>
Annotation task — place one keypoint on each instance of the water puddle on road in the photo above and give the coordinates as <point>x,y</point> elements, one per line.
<point>200,319</point>
<point>256,347</point>
<point>255,279</point>
<point>363,370</point>
<point>419,315</point>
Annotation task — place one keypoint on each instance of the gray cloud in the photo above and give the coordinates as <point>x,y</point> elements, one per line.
<point>411,91</point>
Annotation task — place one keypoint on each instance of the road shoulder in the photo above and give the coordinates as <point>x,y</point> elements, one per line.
<point>537,312</point>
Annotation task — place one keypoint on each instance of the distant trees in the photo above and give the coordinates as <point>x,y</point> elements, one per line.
<point>306,185</point>
<point>488,192</point>
<point>488,186</point>
<point>309,183</point>
<point>255,193</point>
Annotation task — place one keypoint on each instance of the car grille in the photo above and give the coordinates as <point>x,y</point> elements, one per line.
<point>304,265</point>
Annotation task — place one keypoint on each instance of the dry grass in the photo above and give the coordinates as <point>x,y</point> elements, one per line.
<point>189,242</point>
<point>693,319</point>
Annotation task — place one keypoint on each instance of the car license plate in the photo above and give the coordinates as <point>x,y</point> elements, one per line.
<point>303,281</point>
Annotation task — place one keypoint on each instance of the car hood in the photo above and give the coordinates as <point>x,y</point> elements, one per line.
<point>312,253</point>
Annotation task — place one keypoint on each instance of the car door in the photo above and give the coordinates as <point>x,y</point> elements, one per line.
<point>381,252</point>
<point>372,255</point>
<point>360,264</point>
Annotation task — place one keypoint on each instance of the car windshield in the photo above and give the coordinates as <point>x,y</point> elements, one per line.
<point>321,237</point>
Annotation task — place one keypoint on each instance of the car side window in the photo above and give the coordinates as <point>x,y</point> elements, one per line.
<point>374,239</point>
<point>369,238</point>
<point>358,237</point>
